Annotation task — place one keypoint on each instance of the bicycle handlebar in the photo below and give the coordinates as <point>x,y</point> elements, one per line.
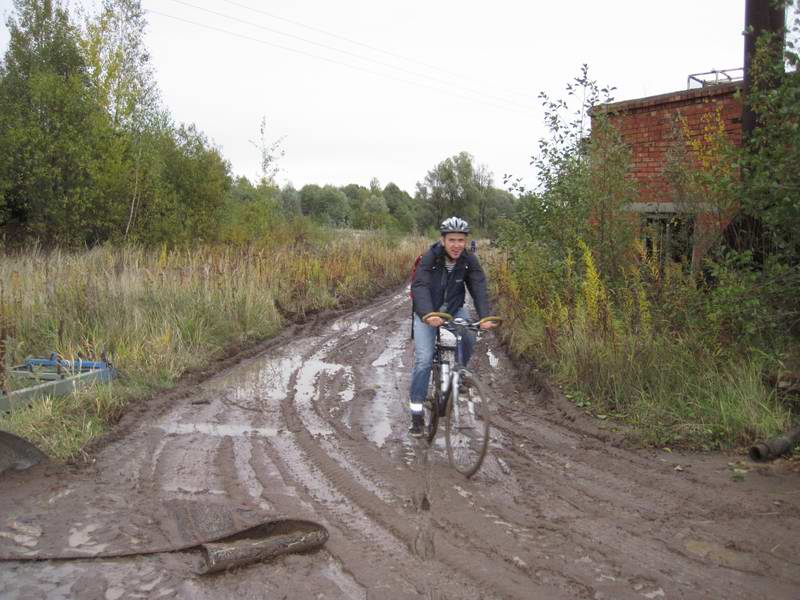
<point>476,326</point>
<point>441,315</point>
<point>449,320</point>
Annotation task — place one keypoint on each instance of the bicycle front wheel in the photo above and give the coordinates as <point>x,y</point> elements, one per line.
<point>467,430</point>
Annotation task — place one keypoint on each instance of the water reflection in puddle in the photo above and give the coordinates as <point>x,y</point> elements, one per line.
<point>386,372</point>
<point>264,372</point>
<point>307,393</point>
<point>349,392</point>
<point>307,390</point>
<point>273,377</point>
<point>346,326</point>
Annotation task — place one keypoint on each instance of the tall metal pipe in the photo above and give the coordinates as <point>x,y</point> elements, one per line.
<point>745,231</point>
<point>759,16</point>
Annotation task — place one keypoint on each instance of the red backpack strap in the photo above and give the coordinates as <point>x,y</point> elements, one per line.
<point>413,273</point>
<point>410,282</point>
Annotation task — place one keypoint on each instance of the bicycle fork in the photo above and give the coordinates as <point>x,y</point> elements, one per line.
<point>455,380</point>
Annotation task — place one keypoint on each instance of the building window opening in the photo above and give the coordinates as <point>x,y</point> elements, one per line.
<point>668,237</point>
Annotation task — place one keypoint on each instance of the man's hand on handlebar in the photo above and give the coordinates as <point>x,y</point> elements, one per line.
<point>435,321</point>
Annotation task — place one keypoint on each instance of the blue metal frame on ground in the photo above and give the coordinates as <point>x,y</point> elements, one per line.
<point>60,377</point>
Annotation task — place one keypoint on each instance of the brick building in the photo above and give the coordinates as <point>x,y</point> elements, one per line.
<point>647,127</point>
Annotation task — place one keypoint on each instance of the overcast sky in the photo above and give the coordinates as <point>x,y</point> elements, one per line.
<point>364,89</point>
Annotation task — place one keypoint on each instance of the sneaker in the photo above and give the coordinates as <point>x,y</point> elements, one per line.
<point>417,426</point>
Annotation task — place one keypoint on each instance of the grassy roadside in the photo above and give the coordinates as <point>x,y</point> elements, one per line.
<point>158,313</point>
<point>622,356</point>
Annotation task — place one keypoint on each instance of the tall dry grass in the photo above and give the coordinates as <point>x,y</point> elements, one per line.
<point>644,352</point>
<point>158,312</point>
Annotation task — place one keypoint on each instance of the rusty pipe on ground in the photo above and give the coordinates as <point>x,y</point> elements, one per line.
<point>260,543</point>
<point>775,447</point>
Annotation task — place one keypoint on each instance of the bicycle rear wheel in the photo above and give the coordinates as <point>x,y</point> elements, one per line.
<point>467,429</point>
<point>430,406</point>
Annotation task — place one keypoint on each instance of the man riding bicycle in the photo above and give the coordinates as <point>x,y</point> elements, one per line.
<point>439,286</point>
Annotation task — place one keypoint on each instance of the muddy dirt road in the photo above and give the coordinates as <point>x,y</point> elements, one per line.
<point>315,427</point>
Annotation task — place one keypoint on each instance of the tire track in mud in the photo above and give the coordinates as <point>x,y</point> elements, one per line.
<point>640,514</point>
<point>587,498</point>
<point>592,493</point>
<point>340,469</point>
<point>346,491</point>
<point>352,529</point>
<point>316,426</point>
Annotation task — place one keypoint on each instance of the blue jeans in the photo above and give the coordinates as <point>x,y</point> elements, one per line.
<point>424,342</point>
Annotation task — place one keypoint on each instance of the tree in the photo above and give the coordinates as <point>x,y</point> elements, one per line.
<point>119,64</point>
<point>576,189</point>
<point>122,78</point>
<point>373,212</point>
<point>52,133</point>
<point>483,183</point>
<point>290,200</point>
<point>187,192</point>
<point>772,153</point>
<point>400,205</point>
<point>766,231</point>
<point>251,213</point>
<point>270,153</point>
<point>375,186</point>
<point>500,205</point>
<point>609,189</point>
<point>449,188</point>
<point>356,196</point>
<point>456,187</point>
<point>76,116</point>
<point>328,205</point>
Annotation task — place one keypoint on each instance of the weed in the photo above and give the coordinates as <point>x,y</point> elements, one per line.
<point>158,312</point>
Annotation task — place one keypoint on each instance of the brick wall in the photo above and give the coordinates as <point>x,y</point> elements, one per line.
<point>646,127</point>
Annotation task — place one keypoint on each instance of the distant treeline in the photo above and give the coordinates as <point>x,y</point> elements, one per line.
<point>89,154</point>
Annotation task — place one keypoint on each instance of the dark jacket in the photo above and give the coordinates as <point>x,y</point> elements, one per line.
<point>433,286</point>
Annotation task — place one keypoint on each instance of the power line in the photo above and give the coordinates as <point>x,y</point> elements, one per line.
<point>363,45</point>
<point>333,61</point>
<point>353,54</point>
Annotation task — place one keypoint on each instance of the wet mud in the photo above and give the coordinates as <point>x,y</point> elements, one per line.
<point>315,427</point>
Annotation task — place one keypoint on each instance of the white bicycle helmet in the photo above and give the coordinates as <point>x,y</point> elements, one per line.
<point>454,225</point>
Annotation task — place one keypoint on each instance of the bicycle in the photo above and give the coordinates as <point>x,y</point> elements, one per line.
<point>457,394</point>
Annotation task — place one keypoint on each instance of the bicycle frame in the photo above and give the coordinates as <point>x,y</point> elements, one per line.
<point>467,419</point>
<point>448,384</point>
